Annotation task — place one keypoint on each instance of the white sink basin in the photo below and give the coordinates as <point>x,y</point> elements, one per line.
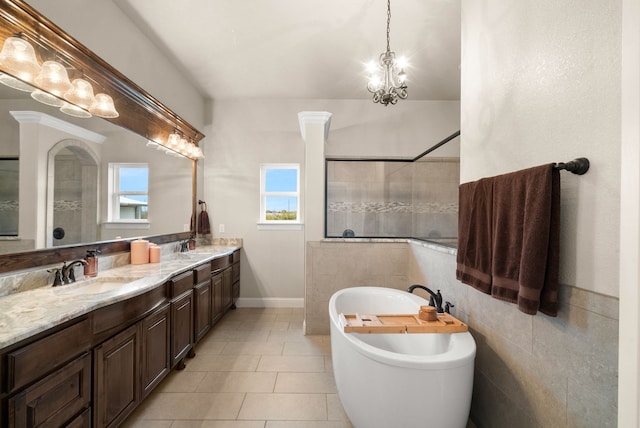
<point>94,285</point>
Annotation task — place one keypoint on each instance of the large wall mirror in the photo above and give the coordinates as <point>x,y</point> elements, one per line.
<point>68,181</point>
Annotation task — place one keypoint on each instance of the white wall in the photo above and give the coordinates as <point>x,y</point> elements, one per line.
<point>246,133</point>
<point>540,84</point>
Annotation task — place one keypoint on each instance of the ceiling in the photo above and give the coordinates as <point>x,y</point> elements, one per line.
<point>303,48</point>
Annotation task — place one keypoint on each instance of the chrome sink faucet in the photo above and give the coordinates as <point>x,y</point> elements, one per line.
<point>435,299</point>
<point>68,272</point>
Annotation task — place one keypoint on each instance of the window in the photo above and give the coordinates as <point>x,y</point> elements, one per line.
<point>129,192</point>
<point>280,193</point>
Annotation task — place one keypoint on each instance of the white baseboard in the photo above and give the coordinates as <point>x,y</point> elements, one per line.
<point>269,302</point>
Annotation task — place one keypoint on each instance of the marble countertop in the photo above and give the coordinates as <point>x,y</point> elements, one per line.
<point>25,314</point>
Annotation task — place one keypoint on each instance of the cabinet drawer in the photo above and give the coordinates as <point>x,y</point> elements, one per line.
<point>202,273</point>
<point>113,318</point>
<point>55,400</point>
<point>221,263</point>
<point>26,364</point>
<point>180,283</point>
<point>235,257</point>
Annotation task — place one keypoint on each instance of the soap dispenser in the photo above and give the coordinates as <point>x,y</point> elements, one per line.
<point>91,268</point>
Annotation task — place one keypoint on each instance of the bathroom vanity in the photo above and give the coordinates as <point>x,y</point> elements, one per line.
<point>84,356</point>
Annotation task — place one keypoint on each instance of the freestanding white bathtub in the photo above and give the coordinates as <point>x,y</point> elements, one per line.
<point>399,380</point>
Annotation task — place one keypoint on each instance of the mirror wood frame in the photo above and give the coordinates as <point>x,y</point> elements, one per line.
<point>139,112</point>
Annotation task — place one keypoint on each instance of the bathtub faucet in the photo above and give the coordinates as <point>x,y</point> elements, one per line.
<point>435,299</point>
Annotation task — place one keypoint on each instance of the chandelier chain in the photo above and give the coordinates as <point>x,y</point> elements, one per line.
<point>388,25</point>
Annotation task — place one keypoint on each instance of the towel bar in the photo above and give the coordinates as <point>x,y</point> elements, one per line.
<point>577,166</point>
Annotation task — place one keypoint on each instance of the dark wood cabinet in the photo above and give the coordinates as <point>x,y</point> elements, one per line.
<point>94,370</point>
<point>156,347</point>
<point>203,303</point>
<point>227,289</point>
<point>59,399</point>
<point>181,328</point>
<point>181,293</point>
<point>116,374</point>
<point>216,295</point>
<point>235,277</point>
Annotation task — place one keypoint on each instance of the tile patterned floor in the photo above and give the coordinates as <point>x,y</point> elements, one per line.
<point>254,369</point>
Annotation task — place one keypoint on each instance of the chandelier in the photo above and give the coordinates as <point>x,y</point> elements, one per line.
<point>387,78</point>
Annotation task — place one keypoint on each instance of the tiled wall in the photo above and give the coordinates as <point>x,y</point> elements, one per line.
<point>531,371</point>
<point>389,199</point>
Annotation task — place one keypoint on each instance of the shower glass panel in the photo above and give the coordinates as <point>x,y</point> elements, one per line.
<point>393,198</point>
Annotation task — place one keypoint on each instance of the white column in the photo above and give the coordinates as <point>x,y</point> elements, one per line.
<point>314,127</point>
<point>629,324</point>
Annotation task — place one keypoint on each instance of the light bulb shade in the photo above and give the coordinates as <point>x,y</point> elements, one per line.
<point>80,94</point>
<point>103,106</point>
<point>53,78</point>
<point>198,153</point>
<point>18,58</point>
<point>174,140</point>
<point>73,110</point>
<point>47,98</point>
<point>183,145</point>
<point>14,83</point>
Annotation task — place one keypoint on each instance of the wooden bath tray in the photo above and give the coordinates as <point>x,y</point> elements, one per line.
<point>401,323</point>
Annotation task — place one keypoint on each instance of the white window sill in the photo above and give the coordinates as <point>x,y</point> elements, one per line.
<point>280,226</point>
<point>142,224</point>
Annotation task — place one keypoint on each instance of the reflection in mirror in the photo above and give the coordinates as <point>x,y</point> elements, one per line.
<point>62,177</point>
<point>393,198</point>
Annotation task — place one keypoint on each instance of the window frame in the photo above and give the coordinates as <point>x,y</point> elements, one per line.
<point>115,194</point>
<point>264,194</point>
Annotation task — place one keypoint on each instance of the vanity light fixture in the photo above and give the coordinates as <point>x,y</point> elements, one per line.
<point>198,153</point>
<point>174,140</point>
<point>387,78</point>
<point>53,78</point>
<point>80,94</point>
<point>19,59</point>
<point>103,107</point>
<point>54,81</point>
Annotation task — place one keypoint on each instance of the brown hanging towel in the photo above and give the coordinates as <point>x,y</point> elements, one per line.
<point>203,220</point>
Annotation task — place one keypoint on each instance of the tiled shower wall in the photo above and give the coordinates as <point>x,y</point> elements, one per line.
<point>531,371</point>
<point>393,198</point>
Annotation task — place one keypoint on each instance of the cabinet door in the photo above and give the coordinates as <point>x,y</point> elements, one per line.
<point>216,294</point>
<point>116,384</point>
<point>181,327</point>
<point>156,349</point>
<point>56,400</point>
<point>227,289</point>
<point>202,305</point>
<point>236,276</point>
